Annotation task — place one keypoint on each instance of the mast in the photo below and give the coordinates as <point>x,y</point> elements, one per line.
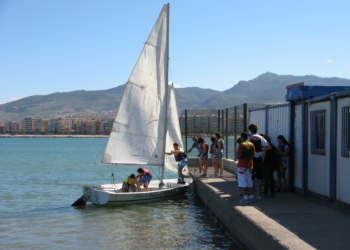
<point>166,61</point>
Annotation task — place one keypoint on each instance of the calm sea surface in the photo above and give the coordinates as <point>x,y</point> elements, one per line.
<point>42,177</point>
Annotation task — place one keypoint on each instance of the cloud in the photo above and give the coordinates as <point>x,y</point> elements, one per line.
<point>175,85</point>
<point>329,61</point>
<point>345,66</point>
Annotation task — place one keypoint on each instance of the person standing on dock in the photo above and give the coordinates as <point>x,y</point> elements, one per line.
<point>203,157</point>
<point>261,146</point>
<point>181,158</point>
<point>213,160</point>
<point>269,166</point>
<point>219,151</point>
<point>196,146</point>
<point>283,151</point>
<point>245,154</point>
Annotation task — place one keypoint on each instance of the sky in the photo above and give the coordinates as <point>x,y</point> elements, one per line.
<point>62,46</point>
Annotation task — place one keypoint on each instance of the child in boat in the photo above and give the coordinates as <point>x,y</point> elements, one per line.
<point>129,184</point>
<point>181,158</point>
<point>145,176</point>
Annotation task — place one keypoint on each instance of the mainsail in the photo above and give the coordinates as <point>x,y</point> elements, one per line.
<point>139,130</point>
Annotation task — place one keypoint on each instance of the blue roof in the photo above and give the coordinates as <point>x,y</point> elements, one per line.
<point>307,92</point>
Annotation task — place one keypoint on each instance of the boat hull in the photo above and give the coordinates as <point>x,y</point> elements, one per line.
<point>111,194</point>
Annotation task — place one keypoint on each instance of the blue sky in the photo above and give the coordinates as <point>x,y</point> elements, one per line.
<point>61,46</point>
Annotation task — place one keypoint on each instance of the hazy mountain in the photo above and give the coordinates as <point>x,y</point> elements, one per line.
<point>266,88</point>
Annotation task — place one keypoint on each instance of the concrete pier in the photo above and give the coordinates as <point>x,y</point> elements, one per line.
<point>288,221</point>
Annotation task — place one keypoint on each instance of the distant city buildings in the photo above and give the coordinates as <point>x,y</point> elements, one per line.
<point>197,123</point>
<point>63,126</point>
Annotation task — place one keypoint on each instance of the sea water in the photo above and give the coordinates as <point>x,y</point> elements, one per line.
<point>42,177</point>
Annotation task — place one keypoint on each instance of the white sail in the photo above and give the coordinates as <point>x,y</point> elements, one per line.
<point>173,133</point>
<point>139,130</point>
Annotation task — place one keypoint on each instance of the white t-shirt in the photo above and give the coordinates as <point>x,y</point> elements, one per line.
<point>264,143</point>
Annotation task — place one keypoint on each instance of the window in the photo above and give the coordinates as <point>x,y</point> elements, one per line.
<point>345,140</point>
<point>318,132</point>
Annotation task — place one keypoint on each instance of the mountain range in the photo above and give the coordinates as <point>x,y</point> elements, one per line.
<point>266,88</point>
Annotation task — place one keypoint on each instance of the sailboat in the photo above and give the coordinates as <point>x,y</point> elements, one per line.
<point>146,126</point>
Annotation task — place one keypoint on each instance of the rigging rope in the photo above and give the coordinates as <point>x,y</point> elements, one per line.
<point>113,183</point>
<point>155,172</point>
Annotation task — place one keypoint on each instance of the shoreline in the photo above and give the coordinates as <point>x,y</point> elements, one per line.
<point>64,136</point>
<point>54,136</point>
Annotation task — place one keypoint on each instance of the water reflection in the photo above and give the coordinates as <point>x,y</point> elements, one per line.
<point>173,224</point>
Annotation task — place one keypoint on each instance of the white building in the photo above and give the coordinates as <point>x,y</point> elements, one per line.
<point>317,124</point>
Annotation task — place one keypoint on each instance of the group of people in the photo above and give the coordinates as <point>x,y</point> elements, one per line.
<point>216,154</point>
<point>258,159</point>
<point>133,183</point>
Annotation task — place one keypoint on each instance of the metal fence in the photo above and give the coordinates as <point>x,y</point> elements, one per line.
<point>230,122</point>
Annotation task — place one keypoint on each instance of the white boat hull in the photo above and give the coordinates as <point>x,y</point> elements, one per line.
<point>112,194</point>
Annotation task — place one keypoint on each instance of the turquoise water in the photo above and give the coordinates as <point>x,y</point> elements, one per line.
<point>42,177</point>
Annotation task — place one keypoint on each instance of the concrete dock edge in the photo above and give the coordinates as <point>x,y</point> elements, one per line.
<point>254,229</point>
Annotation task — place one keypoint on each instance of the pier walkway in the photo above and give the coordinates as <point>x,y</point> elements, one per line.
<point>288,221</point>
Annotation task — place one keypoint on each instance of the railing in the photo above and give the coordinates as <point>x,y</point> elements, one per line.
<point>230,122</point>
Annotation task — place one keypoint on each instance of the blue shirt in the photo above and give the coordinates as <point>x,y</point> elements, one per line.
<point>196,145</point>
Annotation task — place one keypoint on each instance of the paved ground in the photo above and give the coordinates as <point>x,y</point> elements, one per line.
<point>288,221</point>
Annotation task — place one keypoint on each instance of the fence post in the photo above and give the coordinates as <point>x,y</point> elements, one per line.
<point>186,129</point>
<point>218,121</point>
<point>226,132</point>
<point>235,133</point>
<point>245,117</point>
<point>222,121</point>
<point>208,131</point>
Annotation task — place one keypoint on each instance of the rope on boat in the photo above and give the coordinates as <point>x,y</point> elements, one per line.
<point>113,183</point>
<point>161,184</point>
<point>154,172</point>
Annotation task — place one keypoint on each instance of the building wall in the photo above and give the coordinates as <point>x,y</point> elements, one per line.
<point>343,163</point>
<point>278,122</point>
<point>40,126</point>
<point>298,146</point>
<point>258,117</point>
<point>27,125</point>
<point>318,165</point>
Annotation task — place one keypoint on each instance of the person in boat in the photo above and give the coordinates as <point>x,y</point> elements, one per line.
<point>203,157</point>
<point>261,146</point>
<point>181,158</point>
<point>219,151</point>
<point>129,184</point>
<point>196,146</point>
<point>245,153</point>
<point>145,177</point>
